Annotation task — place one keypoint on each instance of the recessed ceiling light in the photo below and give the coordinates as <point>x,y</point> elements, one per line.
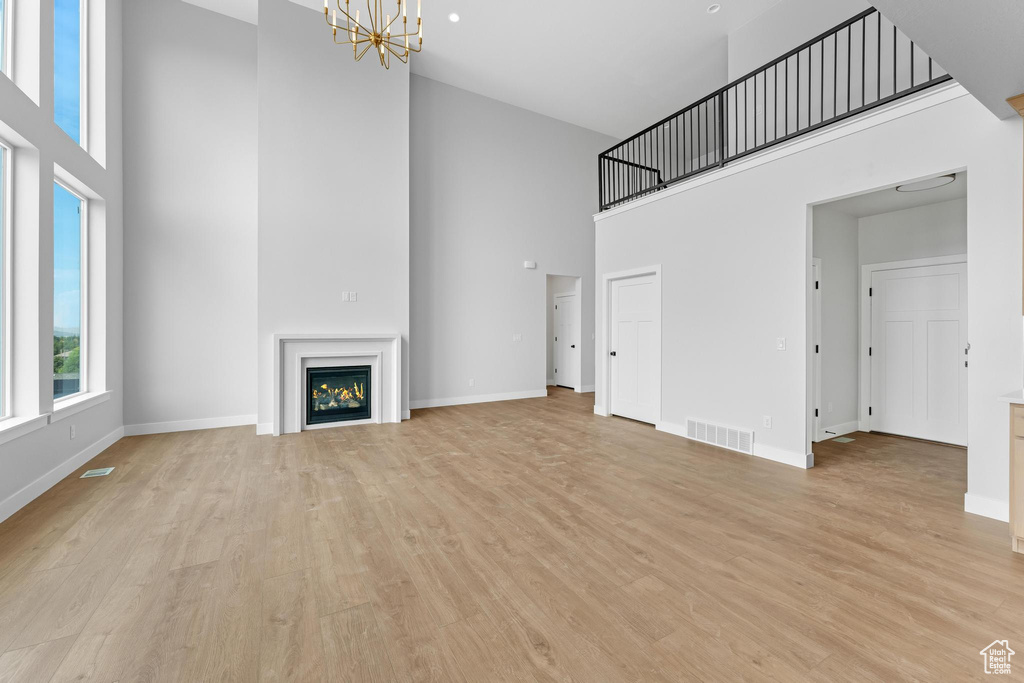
<point>714,8</point>
<point>454,18</point>
<point>929,184</point>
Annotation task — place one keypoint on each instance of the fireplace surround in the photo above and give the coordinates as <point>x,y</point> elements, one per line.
<point>294,353</point>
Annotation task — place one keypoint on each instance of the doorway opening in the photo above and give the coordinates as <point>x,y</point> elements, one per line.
<point>564,332</point>
<point>888,349</point>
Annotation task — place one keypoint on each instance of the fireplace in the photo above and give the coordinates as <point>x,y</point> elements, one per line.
<point>337,394</point>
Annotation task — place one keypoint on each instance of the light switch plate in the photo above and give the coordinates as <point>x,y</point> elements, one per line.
<point>780,343</point>
<point>353,296</point>
<point>344,296</point>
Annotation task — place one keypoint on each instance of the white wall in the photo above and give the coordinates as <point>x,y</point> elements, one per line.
<point>835,243</point>
<point>492,186</point>
<point>39,459</point>
<point>333,189</point>
<point>786,25</point>
<point>560,284</point>
<point>930,230</point>
<point>735,248</point>
<point>190,211</point>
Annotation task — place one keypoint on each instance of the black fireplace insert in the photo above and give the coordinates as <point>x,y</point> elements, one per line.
<point>337,394</point>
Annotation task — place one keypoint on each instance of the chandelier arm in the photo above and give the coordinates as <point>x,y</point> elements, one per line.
<point>368,46</point>
<point>404,59</point>
<point>398,46</point>
<point>344,28</point>
<point>350,42</point>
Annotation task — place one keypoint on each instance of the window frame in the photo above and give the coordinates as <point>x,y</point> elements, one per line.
<point>6,278</point>
<point>83,294</point>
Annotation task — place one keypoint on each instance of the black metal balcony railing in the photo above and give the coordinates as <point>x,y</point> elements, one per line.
<point>860,64</point>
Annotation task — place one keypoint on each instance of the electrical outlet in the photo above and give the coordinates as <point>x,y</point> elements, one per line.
<point>353,296</point>
<point>472,382</point>
<point>345,296</point>
<point>72,431</point>
<point>766,421</point>
<point>780,343</point>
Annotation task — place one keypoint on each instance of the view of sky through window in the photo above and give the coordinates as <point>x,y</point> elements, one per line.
<point>67,292</point>
<point>67,66</point>
<point>3,36</point>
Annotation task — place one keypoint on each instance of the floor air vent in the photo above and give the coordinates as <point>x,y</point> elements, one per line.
<point>97,473</point>
<point>727,437</point>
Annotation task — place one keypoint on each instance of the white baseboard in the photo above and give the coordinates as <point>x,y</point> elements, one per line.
<point>588,389</point>
<point>843,429</point>
<point>33,490</point>
<point>189,425</point>
<point>407,414</point>
<point>792,458</point>
<point>264,428</point>
<point>482,398</point>
<point>672,428</point>
<point>551,381</point>
<point>600,410</point>
<point>987,507</point>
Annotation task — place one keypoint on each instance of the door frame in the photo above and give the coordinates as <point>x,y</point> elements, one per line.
<point>866,272</point>
<point>577,317</point>
<point>816,294</point>
<point>604,364</point>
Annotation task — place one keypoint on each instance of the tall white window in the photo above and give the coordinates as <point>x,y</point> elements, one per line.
<point>5,290</point>
<point>68,66</point>
<point>5,9</point>
<point>69,311</point>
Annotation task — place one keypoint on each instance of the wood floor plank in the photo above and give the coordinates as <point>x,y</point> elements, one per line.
<point>292,648</point>
<point>35,662</point>
<point>355,650</point>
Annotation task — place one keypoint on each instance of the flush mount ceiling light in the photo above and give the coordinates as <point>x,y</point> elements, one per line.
<point>929,184</point>
<point>714,8</point>
<point>453,17</point>
<point>379,34</point>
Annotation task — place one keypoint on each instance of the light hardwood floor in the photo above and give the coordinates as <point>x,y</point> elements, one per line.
<point>517,541</point>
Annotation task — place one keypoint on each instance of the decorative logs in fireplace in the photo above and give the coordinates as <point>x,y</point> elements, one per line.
<point>337,394</point>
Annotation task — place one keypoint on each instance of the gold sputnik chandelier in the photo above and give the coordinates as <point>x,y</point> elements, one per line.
<point>378,36</point>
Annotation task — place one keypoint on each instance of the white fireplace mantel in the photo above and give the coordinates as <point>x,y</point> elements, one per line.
<point>292,350</point>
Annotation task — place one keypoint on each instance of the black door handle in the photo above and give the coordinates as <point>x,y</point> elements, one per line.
<point>612,353</point>
<point>573,346</point>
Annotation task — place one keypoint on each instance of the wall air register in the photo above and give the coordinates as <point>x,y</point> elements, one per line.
<point>740,440</point>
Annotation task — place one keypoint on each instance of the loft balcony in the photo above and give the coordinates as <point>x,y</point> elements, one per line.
<point>862,63</point>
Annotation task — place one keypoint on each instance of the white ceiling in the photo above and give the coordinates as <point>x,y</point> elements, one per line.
<point>246,10</point>
<point>978,43</point>
<point>887,201</point>
<point>611,66</point>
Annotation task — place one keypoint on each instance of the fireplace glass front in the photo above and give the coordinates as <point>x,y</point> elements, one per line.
<point>337,394</point>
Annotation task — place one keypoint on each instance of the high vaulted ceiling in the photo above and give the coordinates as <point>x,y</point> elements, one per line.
<point>980,43</point>
<point>611,66</point>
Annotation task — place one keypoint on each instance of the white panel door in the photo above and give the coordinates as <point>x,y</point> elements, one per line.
<point>567,358</point>
<point>635,321</point>
<point>918,352</point>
